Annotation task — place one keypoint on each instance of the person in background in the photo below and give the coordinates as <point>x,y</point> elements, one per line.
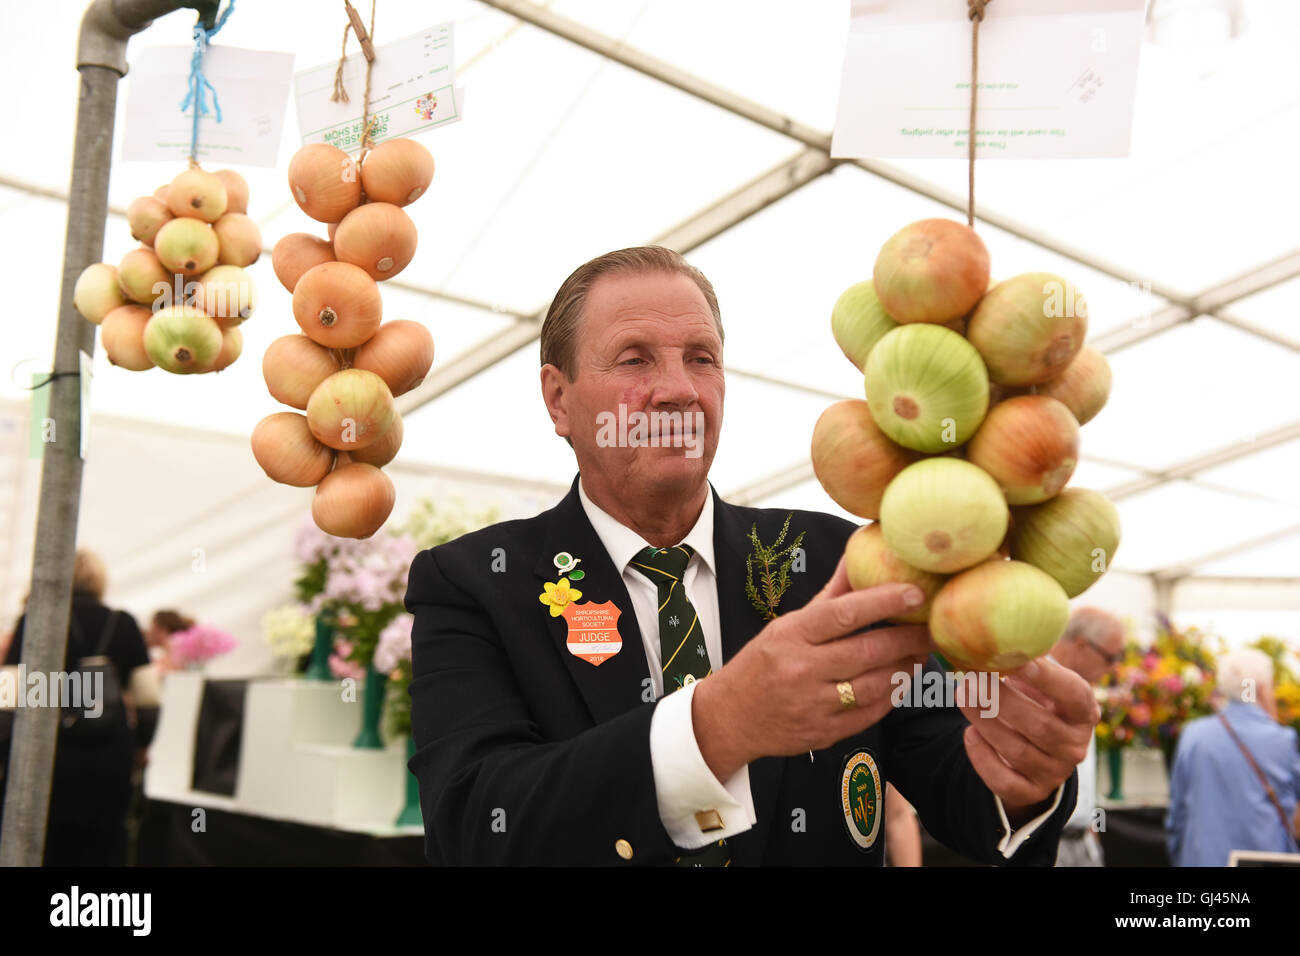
<point>158,637</point>
<point>1092,644</point>
<point>1217,800</point>
<point>91,788</point>
<point>902,832</point>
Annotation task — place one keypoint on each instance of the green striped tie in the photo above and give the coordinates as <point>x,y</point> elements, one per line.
<point>682,652</point>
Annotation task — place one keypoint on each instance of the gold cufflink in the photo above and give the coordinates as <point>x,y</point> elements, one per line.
<point>709,820</point>
<point>623,849</point>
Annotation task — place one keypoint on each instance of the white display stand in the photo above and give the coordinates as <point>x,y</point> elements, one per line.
<point>296,760</point>
<point>1145,782</point>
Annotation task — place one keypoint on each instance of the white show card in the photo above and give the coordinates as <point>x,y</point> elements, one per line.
<point>253,91</point>
<point>412,89</point>
<point>1057,79</point>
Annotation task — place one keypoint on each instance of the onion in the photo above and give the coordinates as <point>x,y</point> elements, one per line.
<point>927,387</point>
<point>337,305</point>
<point>287,452</point>
<point>1073,537</point>
<point>378,237</point>
<point>351,409</point>
<point>293,365</point>
<point>97,293</point>
<point>384,450</point>
<point>934,270</point>
<point>238,238</point>
<point>853,459</point>
<point>122,333</point>
<point>146,216</point>
<point>228,294</point>
<point>182,340</point>
<point>353,501</point>
<point>232,345</point>
<point>197,194</point>
<point>400,352</point>
<point>236,192</point>
<point>869,562</point>
<point>1029,328</point>
<point>186,246</point>
<point>397,171</point>
<point>998,615</point>
<point>943,515</point>
<point>161,192</point>
<point>1030,445</point>
<point>859,321</point>
<point>1084,386</point>
<point>139,273</point>
<point>324,182</point>
<point>295,254</point>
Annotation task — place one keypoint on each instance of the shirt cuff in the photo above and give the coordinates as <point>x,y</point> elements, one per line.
<point>1010,841</point>
<point>685,786</point>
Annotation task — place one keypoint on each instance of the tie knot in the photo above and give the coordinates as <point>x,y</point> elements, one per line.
<point>663,564</point>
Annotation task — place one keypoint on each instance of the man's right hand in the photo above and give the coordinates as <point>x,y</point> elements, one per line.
<point>777,697</point>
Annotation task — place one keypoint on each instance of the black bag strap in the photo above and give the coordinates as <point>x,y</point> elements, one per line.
<point>108,632</point>
<point>1268,787</point>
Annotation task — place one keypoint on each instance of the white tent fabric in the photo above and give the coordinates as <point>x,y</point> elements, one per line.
<point>1186,251</point>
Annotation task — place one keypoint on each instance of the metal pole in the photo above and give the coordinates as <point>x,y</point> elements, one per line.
<point>101,61</point>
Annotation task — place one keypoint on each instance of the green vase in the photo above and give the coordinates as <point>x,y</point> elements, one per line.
<point>1115,761</point>
<point>319,668</point>
<point>372,708</point>
<point>411,815</point>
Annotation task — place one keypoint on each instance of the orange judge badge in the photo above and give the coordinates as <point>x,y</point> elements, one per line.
<point>593,631</point>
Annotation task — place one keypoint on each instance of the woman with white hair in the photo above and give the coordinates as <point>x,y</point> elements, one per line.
<point>1236,774</point>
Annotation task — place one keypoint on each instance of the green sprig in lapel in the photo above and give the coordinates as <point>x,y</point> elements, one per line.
<point>773,570</point>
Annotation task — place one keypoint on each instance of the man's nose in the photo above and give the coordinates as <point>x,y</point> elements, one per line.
<point>674,385</point>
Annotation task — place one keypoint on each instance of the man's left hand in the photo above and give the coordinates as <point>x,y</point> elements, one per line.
<point>1045,717</point>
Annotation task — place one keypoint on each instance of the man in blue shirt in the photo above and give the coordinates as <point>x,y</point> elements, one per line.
<point>1217,803</point>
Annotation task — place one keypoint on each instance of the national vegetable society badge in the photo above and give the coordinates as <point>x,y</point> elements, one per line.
<point>861,799</point>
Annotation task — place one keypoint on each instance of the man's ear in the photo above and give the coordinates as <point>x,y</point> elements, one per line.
<point>555,385</point>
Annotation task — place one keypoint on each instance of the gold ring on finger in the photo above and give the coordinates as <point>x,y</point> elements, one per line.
<point>847,700</point>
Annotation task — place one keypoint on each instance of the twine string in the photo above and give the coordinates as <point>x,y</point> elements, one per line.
<point>975,10</point>
<point>366,121</point>
<point>199,86</point>
<point>340,94</point>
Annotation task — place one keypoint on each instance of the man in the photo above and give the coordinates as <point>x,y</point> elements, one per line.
<point>1092,644</point>
<point>597,685</point>
<point>1217,801</point>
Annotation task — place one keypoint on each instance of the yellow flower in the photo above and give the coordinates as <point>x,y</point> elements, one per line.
<point>558,596</point>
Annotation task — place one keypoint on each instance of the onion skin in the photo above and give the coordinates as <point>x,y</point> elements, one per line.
<point>934,270</point>
<point>228,294</point>
<point>182,340</point>
<point>943,515</point>
<point>297,253</point>
<point>859,321</point>
<point>138,273</point>
<point>397,171</point>
<point>853,459</point>
<point>187,247</point>
<point>999,615</point>
<point>869,563</point>
<point>287,452</point>
<point>353,501</point>
<point>382,451</point>
<point>377,237</point>
<point>351,409</point>
<point>927,387</point>
<point>400,352</point>
<point>239,241</point>
<point>293,366</point>
<point>122,335</point>
<point>1030,445</point>
<point>146,215</point>
<point>337,305</point>
<point>1029,328</point>
<point>1073,537</point>
<point>1084,386</point>
<point>197,194</point>
<point>232,346</point>
<point>236,191</point>
<point>97,292</point>
<point>324,182</point>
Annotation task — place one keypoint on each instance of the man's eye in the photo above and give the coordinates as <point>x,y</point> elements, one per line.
<point>706,359</point>
<point>631,360</point>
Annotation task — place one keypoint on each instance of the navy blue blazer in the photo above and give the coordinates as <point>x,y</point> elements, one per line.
<point>526,754</point>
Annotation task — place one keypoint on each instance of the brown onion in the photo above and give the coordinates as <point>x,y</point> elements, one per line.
<point>1084,386</point>
<point>353,501</point>
<point>324,182</point>
<point>337,305</point>
<point>293,365</point>
<point>378,237</point>
<point>284,447</point>
<point>351,409</point>
<point>297,253</point>
<point>122,334</point>
<point>1030,445</point>
<point>853,459</point>
<point>400,352</point>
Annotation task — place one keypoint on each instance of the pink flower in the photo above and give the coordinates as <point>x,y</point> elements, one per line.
<point>339,664</point>
<point>1173,684</point>
<point>200,643</point>
<point>1140,714</point>
<point>394,644</point>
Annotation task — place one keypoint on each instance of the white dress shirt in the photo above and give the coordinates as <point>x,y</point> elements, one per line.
<point>684,785</point>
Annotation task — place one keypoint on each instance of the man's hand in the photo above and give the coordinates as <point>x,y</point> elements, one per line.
<point>1046,713</point>
<point>777,697</point>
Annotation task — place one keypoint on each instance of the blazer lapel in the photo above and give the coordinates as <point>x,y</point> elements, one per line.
<point>740,622</point>
<point>616,685</point>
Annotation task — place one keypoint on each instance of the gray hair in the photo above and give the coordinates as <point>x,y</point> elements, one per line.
<point>1242,668</point>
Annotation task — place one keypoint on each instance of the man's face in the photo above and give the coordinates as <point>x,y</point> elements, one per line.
<point>646,342</point>
<point>1092,661</point>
